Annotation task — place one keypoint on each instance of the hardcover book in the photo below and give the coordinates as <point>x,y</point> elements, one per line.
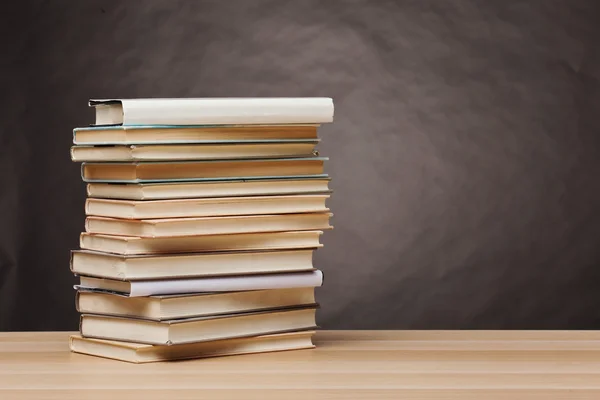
<point>200,329</point>
<point>208,189</point>
<point>171,307</point>
<point>213,170</point>
<point>213,111</point>
<point>170,227</point>
<point>191,152</point>
<point>207,207</point>
<point>144,353</point>
<point>201,243</point>
<point>170,266</point>
<point>186,135</point>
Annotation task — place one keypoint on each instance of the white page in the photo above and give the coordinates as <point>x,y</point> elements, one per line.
<point>226,284</point>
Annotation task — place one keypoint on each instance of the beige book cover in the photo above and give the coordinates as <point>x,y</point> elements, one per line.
<point>208,189</point>
<point>169,227</point>
<point>129,245</point>
<point>202,329</point>
<point>169,307</point>
<point>169,266</point>
<point>144,353</point>
<point>207,207</point>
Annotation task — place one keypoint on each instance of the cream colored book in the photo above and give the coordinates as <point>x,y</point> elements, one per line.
<point>213,111</point>
<point>144,353</point>
<point>168,307</point>
<point>143,267</point>
<point>230,283</point>
<point>165,191</point>
<point>170,171</point>
<point>197,329</point>
<point>211,207</point>
<point>156,135</point>
<point>150,228</point>
<point>183,152</point>
<point>201,243</point>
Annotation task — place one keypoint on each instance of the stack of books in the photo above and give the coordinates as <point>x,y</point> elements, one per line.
<point>202,219</point>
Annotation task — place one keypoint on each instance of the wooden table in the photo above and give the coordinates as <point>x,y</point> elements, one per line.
<point>482,365</point>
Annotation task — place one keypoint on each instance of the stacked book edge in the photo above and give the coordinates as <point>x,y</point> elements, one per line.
<point>201,222</point>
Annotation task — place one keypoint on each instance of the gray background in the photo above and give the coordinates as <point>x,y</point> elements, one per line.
<point>465,149</point>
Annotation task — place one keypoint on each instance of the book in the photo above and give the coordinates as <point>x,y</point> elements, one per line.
<point>169,307</point>
<point>213,111</point>
<point>210,189</point>
<point>207,207</point>
<point>201,243</point>
<point>197,329</point>
<point>202,170</point>
<point>151,228</point>
<point>143,353</point>
<point>168,134</point>
<point>140,267</point>
<point>204,284</point>
<point>193,151</point>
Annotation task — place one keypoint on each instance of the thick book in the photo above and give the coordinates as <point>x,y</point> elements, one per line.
<point>205,284</point>
<point>201,243</point>
<point>151,228</point>
<point>140,267</point>
<point>167,191</point>
<point>207,207</point>
<point>213,111</point>
<point>158,135</point>
<point>144,353</point>
<point>193,151</point>
<point>201,329</point>
<point>169,307</point>
<point>139,172</point>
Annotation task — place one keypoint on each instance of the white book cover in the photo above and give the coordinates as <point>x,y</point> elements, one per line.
<point>213,284</point>
<point>213,111</point>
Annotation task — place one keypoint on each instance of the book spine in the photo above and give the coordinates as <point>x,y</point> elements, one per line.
<point>71,261</point>
<point>77,301</point>
<point>81,324</point>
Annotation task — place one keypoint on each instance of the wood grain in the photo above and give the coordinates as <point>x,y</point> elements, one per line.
<point>345,365</point>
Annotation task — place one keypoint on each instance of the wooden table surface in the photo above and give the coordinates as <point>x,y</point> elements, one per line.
<point>483,365</point>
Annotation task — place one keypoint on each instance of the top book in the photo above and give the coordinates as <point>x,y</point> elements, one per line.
<point>213,111</point>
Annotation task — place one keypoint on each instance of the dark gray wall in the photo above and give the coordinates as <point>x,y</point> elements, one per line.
<point>465,150</point>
